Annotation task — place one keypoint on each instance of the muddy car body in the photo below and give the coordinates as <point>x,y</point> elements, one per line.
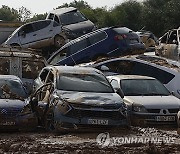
<point>169,45</point>
<point>151,103</point>
<point>37,34</point>
<point>26,64</point>
<point>166,71</point>
<point>73,22</point>
<point>12,103</point>
<point>149,39</point>
<point>81,98</point>
<point>104,42</point>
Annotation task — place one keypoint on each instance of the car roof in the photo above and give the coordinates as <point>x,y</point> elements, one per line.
<point>75,69</point>
<point>158,62</point>
<point>63,10</point>
<point>122,77</point>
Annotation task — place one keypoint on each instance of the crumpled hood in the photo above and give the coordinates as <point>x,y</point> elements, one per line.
<point>90,98</point>
<point>10,103</point>
<point>155,102</point>
<point>85,25</point>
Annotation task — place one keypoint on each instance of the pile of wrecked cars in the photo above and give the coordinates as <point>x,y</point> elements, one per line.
<point>100,92</point>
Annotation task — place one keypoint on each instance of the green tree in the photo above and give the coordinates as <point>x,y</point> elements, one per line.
<point>38,17</point>
<point>128,14</point>
<point>8,14</point>
<point>24,14</point>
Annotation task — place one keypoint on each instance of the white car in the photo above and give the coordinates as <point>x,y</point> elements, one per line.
<point>165,70</point>
<point>36,34</point>
<point>149,100</point>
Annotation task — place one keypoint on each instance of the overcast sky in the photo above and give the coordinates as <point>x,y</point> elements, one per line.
<point>43,6</point>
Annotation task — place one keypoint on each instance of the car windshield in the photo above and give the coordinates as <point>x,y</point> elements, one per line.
<point>84,83</point>
<point>72,17</point>
<point>11,89</point>
<point>145,87</point>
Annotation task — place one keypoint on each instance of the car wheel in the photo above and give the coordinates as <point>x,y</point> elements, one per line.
<point>59,41</point>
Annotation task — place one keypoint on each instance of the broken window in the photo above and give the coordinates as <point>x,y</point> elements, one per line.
<point>30,69</point>
<point>4,66</point>
<point>172,38</point>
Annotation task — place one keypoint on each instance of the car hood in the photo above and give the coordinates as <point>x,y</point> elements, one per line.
<point>90,98</point>
<point>11,103</point>
<point>85,25</point>
<point>155,102</point>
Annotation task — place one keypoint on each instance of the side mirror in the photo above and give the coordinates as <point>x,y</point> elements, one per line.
<point>120,92</point>
<point>173,93</point>
<point>104,68</point>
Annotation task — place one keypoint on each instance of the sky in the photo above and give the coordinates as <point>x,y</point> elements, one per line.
<point>43,6</point>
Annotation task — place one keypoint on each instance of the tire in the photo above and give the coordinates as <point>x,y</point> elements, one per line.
<point>59,41</point>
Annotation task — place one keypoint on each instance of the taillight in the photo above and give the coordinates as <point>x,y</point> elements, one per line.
<point>120,37</point>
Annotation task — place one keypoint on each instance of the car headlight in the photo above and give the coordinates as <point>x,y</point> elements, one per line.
<point>139,108</point>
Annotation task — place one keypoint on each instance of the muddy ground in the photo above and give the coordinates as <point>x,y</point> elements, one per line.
<point>78,143</point>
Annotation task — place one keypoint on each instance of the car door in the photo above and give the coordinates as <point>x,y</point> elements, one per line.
<point>26,35</point>
<point>43,30</point>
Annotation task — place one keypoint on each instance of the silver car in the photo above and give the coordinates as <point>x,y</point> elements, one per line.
<point>36,34</point>
<point>149,100</point>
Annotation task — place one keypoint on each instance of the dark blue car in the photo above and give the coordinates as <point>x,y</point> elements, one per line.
<point>105,42</point>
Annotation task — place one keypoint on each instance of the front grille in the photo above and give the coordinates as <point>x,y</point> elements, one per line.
<point>9,112</point>
<point>158,110</point>
<point>153,110</point>
<point>114,115</point>
<point>87,106</point>
<point>173,110</point>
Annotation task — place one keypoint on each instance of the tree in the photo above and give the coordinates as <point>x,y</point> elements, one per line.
<point>24,14</point>
<point>128,14</point>
<point>8,14</point>
<point>38,17</point>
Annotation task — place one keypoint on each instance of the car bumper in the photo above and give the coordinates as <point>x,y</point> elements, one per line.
<point>22,122</point>
<point>62,122</point>
<point>140,119</point>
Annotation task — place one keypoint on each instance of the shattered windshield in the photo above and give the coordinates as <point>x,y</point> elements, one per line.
<point>84,83</point>
<point>11,89</point>
<point>144,87</point>
<point>72,17</point>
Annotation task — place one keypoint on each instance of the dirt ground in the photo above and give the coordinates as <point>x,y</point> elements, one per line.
<point>79,143</point>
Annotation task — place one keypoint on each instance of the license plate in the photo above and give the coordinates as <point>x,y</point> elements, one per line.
<point>7,123</point>
<point>165,118</point>
<point>98,121</point>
